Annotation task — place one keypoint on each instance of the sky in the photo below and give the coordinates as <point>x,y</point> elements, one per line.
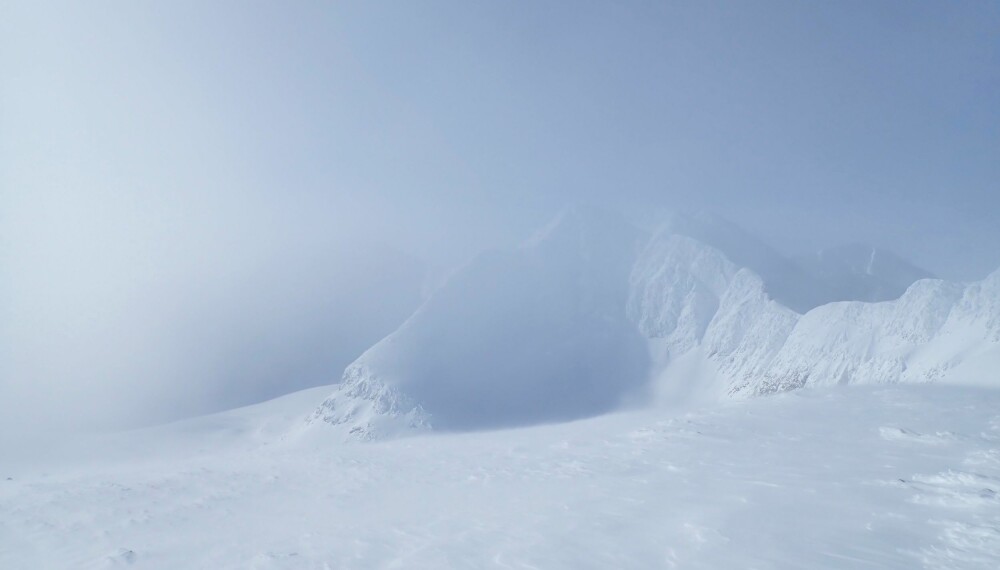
<point>165,166</point>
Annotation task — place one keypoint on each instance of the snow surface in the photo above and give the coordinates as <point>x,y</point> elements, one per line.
<point>902,476</point>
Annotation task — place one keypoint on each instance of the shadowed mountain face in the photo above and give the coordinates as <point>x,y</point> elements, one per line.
<point>518,337</point>
<point>861,272</point>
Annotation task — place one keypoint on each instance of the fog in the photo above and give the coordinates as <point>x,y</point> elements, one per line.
<point>206,205</point>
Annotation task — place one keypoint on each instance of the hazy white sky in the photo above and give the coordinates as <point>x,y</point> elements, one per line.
<point>847,120</point>
<point>155,153</point>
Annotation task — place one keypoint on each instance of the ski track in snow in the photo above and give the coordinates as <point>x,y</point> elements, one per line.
<point>853,477</point>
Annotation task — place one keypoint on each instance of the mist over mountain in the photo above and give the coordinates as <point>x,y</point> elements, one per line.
<point>592,314</point>
<point>547,285</point>
<point>787,281</point>
<point>861,272</point>
<point>312,311</point>
<point>198,332</point>
<point>534,334</point>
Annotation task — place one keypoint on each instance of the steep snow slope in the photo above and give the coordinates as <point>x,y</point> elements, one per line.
<point>860,272</point>
<point>532,335</point>
<point>898,477</point>
<point>747,331</point>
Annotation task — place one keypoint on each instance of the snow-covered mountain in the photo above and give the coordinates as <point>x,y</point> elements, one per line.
<point>592,312</point>
<point>936,331</point>
<point>688,297</point>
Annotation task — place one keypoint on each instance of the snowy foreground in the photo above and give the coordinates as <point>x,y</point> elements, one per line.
<point>848,477</point>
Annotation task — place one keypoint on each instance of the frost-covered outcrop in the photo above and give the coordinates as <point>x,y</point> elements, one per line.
<point>675,288</point>
<point>747,332</point>
<point>368,408</point>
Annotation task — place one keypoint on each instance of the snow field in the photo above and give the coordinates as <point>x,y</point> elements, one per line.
<point>846,477</point>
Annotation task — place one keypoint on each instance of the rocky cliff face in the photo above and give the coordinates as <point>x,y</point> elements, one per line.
<point>367,408</point>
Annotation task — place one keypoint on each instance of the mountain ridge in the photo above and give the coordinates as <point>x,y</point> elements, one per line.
<point>591,312</point>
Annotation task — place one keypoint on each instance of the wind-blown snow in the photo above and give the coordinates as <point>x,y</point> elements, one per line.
<point>897,477</point>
